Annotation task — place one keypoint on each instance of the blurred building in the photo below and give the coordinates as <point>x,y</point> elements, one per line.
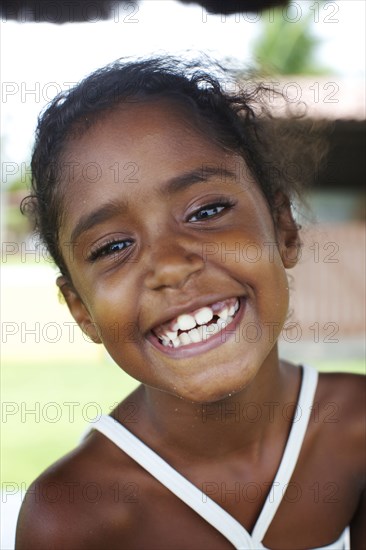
<point>328,284</point>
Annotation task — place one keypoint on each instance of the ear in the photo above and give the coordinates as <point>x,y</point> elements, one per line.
<point>287,231</point>
<point>78,309</point>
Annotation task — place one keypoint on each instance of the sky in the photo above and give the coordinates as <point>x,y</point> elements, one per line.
<point>40,59</point>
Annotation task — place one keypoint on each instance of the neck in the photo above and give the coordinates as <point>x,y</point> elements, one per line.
<point>240,421</point>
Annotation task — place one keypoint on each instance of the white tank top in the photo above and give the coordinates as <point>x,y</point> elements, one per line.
<point>199,501</point>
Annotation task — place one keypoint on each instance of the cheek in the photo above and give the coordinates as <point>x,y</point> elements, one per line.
<point>251,252</point>
<point>273,278</point>
<point>274,300</point>
<point>117,325</point>
<point>261,271</point>
<point>111,309</point>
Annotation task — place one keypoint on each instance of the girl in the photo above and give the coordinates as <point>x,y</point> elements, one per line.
<point>156,262</point>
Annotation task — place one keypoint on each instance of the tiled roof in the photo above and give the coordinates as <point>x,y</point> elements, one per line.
<point>322,97</point>
<point>328,284</point>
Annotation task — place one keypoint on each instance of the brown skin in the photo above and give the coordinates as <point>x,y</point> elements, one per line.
<point>165,270</point>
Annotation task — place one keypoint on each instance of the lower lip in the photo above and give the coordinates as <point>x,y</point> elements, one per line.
<point>200,347</point>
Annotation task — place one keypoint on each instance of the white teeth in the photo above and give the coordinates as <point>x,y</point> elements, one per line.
<point>202,332</point>
<point>203,315</point>
<point>223,314</point>
<point>194,335</point>
<point>212,329</point>
<point>185,322</point>
<point>221,323</point>
<point>171,335</point>
<point>176,342</point>
<point>231,310</point>
<point>199,334</point>
<point>184,338</point>
<point>234,308</point>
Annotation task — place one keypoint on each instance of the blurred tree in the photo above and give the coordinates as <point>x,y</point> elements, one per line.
<point>19,184</point>
<point>286,46</point>
<point>15,227</point>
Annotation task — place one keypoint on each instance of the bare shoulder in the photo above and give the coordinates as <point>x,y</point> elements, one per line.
<point>339,414</point>
<point>346,393</point>
<point>85,498</point>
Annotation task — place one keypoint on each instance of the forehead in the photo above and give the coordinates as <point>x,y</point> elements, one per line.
<point>143,130</point>
<point>140,143</point>
<point>131,152</point>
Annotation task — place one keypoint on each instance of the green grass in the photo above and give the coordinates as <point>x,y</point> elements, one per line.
<point>33,440</point>
<point>354,366</point>
<point>63,398</point>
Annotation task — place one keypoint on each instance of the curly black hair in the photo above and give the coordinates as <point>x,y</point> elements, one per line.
<point>280,156</point>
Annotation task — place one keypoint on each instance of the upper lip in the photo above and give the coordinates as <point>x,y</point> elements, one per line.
<point>188,307</point>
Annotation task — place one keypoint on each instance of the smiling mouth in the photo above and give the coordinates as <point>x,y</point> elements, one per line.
<point>197,326</point>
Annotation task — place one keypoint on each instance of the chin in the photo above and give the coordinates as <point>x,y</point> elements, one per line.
<point>217,388</point>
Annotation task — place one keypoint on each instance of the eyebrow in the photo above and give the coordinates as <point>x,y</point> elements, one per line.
<point>98,216</point>
<point>115,208</point>
<point>202,174</point>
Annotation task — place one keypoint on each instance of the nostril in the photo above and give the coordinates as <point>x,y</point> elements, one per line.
<point>173,269</point>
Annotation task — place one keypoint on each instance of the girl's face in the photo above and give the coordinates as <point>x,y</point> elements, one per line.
<point>160,222</point>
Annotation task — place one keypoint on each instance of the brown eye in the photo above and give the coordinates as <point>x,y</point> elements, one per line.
<point>209,211</point>
<point>109,249</point>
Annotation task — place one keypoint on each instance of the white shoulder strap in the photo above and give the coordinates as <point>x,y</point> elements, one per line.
<point>216,516</point>
<point>291,453</point>
<point>175,482</point>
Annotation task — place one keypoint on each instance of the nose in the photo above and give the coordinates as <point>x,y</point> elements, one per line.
<point>171,266</point>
